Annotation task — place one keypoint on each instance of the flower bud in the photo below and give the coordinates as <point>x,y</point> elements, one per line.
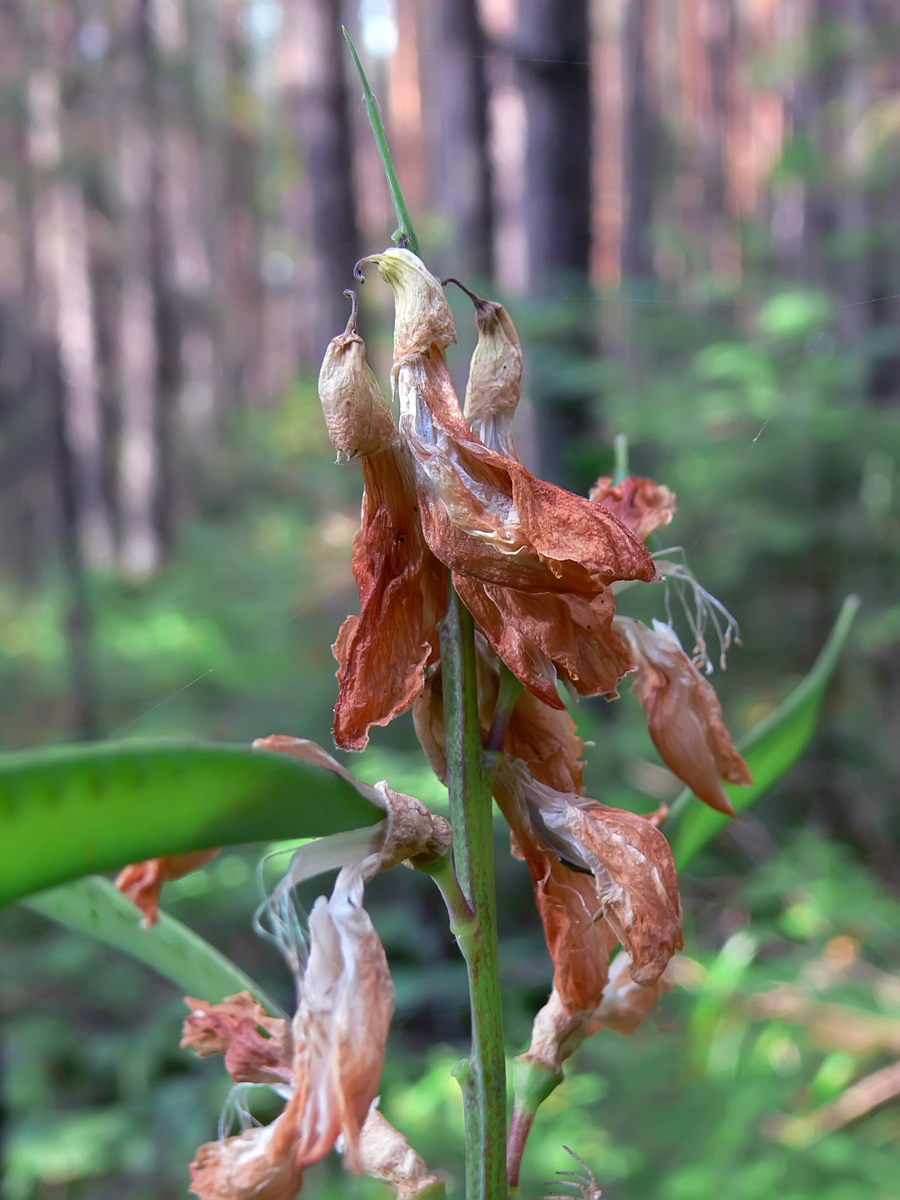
<point>357,413</point>
<point>423,317</point>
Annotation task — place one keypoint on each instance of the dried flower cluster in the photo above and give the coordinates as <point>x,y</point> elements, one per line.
<point>445,496</point>
<point>537,567</point>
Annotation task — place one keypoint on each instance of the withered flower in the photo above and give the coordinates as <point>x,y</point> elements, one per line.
<point>531,561</point>
<point>683,714</point>
<point>384,652</point>
<point>331,1062</point>
<point>641,504</point>
<point>142,882</point>
<point>589,861</point>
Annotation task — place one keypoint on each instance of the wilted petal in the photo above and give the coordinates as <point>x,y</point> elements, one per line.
<point>423,316</point>
<point>256,1165</point>
<point>683,714</point>
<point>626,1004</point>
<point>543,637</point>
<point>257,1047</point>
<point>357,413</point>
<point>580,941</point>
<point>634,878</point>
<point>340,1029</point>
<point>641,504</point>
<point>388,1156</point>
<point>494,386</point>
<point>384,652</point>
<point>143,882</point>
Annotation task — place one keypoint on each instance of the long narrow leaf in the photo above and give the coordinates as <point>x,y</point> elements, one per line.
<point>771,749</point>
<point>93,906</point>
<point>405,232</point>
<point>78,810</point>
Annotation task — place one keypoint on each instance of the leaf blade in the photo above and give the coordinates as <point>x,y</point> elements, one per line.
<point>78,810</point>
<point>94,907</point>
<point>771,749</point>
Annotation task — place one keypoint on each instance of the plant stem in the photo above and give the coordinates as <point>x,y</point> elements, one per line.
<point>483,1076</point>
<point>405,233</point>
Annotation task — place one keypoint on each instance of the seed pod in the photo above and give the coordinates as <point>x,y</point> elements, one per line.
<point>495,375</point>
<point>357,413</point>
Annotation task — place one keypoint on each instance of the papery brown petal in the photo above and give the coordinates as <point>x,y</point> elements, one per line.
<point>547,740</point>
<point>423,316</point>
<point>486,515</point>
<point>684,715</point>
<point>143,882</point>
<point>636,882</point>
<point>384,653</point>
<point>340,1029</point>
<point>257,1047</point>
<point>247,1167</point>
<point>495,378</point>
<point>545,636</point>
<point>641,504</point>
<point>357,412</point>
<point>626,1004</point>
<point>579,940</point>
<point>388,1156</point>
<point>428,719</point>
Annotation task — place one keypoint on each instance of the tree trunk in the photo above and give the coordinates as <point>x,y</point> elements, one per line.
<point>461,166</point>
<point>553,53</point>
<point>640,149</point>
<point>319,109</point>
<point>140,460</point>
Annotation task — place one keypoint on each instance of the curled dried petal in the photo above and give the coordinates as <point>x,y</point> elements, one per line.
<point>340,1029</point>
<point>357,413</point>
<point>634,878</point>
<point>423,316</point>
<point>580,941</point>
<point>255,1165</point>
<point>626,1004</point>
<point>257,1047</point>
<point>143,882</point>
<point>388,1156</point>
<point>384,653</point>
<point>544,637</point>
<point>495,377</point>
<point>641,504</point>
<point>683,714</point>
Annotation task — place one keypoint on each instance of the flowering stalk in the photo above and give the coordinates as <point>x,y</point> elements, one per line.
<point>469,892</point>
<point>483,1075</point>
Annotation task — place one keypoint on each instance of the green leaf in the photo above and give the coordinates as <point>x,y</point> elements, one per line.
<point>93,906</point>
<point>405,232</point>
<point>76,810</point>
<point>770,749</point>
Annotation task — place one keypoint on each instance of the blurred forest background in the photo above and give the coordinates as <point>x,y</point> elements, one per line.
<point>692,210</point>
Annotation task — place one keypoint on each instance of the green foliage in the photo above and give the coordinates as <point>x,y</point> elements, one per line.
<point>771,749</point>
<point>69,811</point>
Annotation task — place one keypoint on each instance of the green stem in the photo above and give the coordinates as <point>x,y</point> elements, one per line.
<point>405,233</point>
<point>483,1076</point>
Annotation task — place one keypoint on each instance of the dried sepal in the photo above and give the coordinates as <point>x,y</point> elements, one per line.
<point>683,714</point>
<point>142,882</point>
<point>256,1046</point>
<point>357,413</point>
<point>388,1157</point>
<point>641,504</point>
<point>384,653</point>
